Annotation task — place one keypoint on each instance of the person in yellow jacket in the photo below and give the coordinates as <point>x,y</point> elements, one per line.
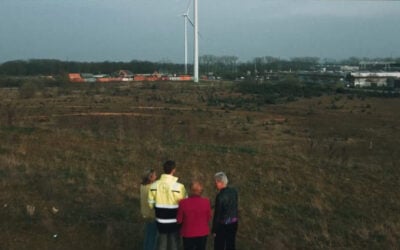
<point>150,237</point>
<point>164,197</point>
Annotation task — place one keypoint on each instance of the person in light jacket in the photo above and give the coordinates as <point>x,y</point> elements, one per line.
<point>164,197</point>
<point>150,237</point>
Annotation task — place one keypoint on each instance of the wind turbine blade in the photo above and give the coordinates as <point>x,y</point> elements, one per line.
<point>188,7</point>
<point>190,21</point>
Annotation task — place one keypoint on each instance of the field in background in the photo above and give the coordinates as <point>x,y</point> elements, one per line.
<point>312,173</point>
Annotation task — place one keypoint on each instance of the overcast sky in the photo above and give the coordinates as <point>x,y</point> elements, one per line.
<point>123,30</point>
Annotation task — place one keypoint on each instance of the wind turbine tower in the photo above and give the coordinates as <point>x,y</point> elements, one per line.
<point>186,47</point>
<point>187,18</point>
<point>196,43</point>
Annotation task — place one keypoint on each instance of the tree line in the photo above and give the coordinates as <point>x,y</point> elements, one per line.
<point>228,67</point>
<point>35,67</point>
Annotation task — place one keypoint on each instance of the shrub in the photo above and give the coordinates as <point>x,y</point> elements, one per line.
<point>27,90</point>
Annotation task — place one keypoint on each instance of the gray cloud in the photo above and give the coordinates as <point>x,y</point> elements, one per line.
<point>96,30</point>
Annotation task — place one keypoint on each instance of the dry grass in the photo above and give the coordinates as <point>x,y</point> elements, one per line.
<point>318,173</point>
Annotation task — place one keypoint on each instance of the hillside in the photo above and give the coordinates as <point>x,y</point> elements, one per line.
<point>312,173</point>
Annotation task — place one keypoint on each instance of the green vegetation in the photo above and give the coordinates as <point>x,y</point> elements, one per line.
<point>227,67</point>
<point>316,168</point>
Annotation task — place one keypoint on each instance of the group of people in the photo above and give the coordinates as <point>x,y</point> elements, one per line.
<point>171,214</point>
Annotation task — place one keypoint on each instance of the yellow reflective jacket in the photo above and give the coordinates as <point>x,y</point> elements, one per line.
<point>164,196</point>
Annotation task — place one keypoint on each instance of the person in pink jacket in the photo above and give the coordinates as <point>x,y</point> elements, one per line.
<point>194,214</point>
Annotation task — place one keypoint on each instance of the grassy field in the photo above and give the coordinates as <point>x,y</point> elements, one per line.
<point>312,173</point>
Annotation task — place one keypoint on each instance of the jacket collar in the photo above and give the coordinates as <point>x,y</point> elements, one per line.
<point>168,178</point>
<point>194,196</point>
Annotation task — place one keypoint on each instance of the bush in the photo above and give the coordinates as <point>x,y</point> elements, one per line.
<point>27,90</point>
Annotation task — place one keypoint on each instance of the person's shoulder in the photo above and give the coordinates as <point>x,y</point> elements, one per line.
<point>232,189</point>
<point>183,202</point>
<point>180,185</point>
<point>154,184</point>
<point>206,200</point>
<point>234,192</point>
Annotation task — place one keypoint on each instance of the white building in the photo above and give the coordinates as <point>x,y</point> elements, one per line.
<point>368,79</point>
<point>347,68</point>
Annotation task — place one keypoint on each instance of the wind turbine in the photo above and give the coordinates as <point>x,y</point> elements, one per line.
<point>186,18</point>
<point>196,40</point>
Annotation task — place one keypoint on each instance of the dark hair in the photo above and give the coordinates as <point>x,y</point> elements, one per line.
<point>169,166</point>
<point>146,176</point>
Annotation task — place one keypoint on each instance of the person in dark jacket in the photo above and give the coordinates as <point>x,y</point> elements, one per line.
<point>225,221</point>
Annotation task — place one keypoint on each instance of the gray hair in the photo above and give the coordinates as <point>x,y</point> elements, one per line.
<point>221,177</point>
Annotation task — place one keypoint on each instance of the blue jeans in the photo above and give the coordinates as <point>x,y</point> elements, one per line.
<point>150,236</point>
<point>168,241</point>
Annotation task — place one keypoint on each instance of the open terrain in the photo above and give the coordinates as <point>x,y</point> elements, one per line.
<point>312,173</point>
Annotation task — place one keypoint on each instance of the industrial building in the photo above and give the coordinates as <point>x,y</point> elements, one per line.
<point>378,79</point>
